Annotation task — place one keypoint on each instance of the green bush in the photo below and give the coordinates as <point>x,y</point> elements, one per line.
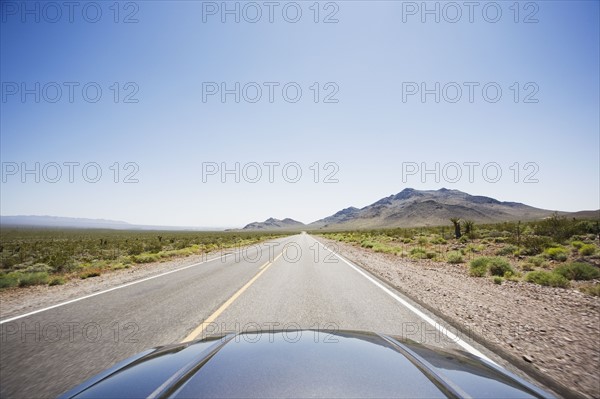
<point>418,253</point>
<point>455,257</point>
<point>479,267</point>
<point>56,281</point>
<point>9,280</point>
<point>507,250</point>
<point>27,279</point>
<point>38,268</point>
<point>557,253</point>
<point>533,245</point>
<point>497,280</point>
<point>547,278</point>
<point>367,244</point>
<point>577,244</point>
<point>591,289</point>
<point>587,249</point>
<point>499,266</point>
<point>578,271</point>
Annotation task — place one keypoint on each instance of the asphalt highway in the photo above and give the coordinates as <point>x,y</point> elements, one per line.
<point>285,284</point>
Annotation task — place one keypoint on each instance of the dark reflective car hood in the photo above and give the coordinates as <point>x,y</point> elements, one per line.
<point>304,363</point>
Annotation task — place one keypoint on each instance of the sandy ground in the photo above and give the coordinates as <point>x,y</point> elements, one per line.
<point>556,331</point>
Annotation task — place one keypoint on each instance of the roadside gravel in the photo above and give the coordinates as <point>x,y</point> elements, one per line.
<point>556,331</point>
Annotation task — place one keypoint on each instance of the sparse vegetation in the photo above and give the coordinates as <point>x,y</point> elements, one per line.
<point>556,253</point>
<point>551,279</point>
<point>499,266</point>
<point>51,256</point>
<point>479,267</point>
<point>578,271</point>
<point>509,251</point>
<point>587,249</point>
<point>455,257</point>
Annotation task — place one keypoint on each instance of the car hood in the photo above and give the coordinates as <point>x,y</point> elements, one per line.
<point>304,363</point>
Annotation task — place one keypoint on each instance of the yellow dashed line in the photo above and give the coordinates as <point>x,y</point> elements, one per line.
<point>200,329</point>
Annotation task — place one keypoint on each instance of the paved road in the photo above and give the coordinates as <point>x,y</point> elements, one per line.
<point>289,283</point>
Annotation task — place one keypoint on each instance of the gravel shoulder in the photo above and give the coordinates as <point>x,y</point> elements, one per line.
<point>552,330</point>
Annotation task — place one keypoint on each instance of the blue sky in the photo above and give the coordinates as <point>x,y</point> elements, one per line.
<point>366,61</point>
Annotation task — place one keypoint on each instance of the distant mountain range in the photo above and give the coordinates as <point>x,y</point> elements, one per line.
<point>415,208</point>
<point>83,223</point>
<point>408,208</point>
<point>275,224</point>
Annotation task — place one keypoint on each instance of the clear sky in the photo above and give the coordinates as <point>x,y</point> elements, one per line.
<point>362,68</point>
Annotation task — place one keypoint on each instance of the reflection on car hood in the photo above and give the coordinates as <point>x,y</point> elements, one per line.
<point>304,363</point>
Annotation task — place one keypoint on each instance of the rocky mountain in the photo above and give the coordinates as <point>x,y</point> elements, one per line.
<point>275,224</point>
<point>411,208</point>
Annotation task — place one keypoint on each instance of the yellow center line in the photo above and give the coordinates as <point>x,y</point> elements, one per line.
<point>200,329</point>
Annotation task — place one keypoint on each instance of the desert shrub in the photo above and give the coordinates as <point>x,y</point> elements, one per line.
<point>463,239</point>
<point>497,280</point>
<point>430,255</point>
<point>578,271</point>
<point>536,261</point>
<point>367,244</point>
<point>56,281</point>
<point>27,279</point>
<point>455,257</point>
<point>38,268</point>
<point>556,253</point>
<point>90,273</point>
<point>499,266</point>
<point>587,249</point>
<point>418,253</point>
<point>136,248</point>
<point>507,250</point>
<point>119,266</point>
<point>591,289</point>
<point>439,240</point>
<point>479,267</point>
<point>547,278</point>
<point>422,241</point>
<point>512,275</point>
<point>577,244</point>
<point>9,280</point>
<point>533,245</point>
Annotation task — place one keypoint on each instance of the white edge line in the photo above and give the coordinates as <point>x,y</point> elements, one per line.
<point>105,291</point>
<point>413,309</point>
<point>114,288</point>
